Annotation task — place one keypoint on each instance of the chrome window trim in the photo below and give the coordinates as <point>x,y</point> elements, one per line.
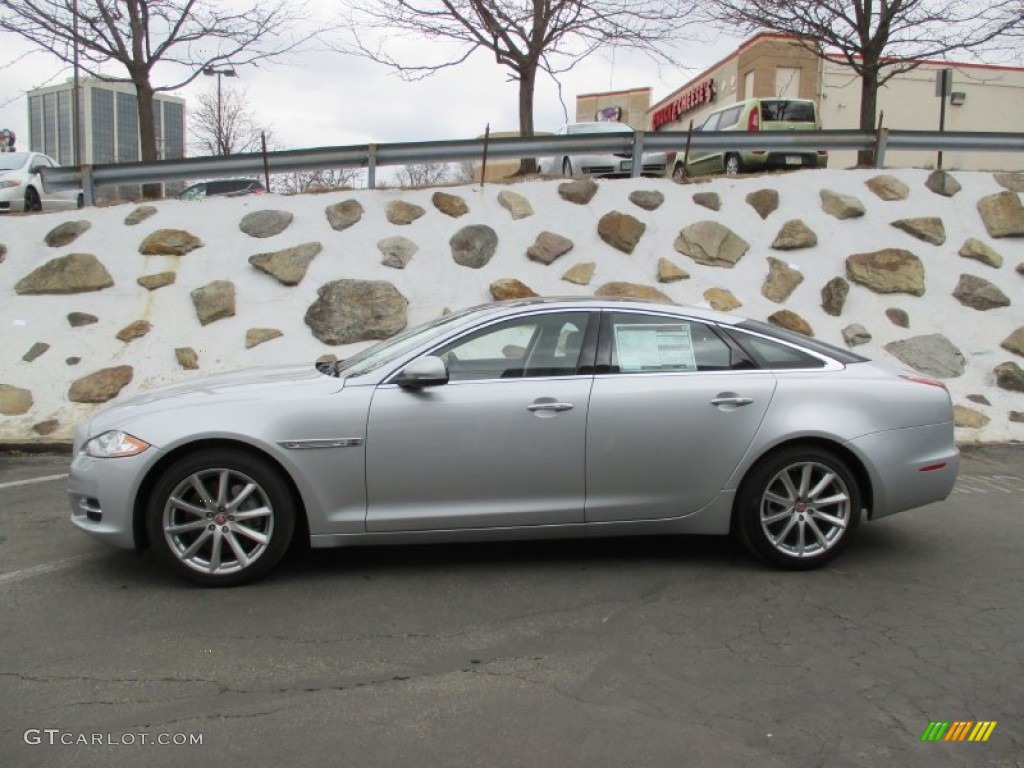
<point>830,363</point>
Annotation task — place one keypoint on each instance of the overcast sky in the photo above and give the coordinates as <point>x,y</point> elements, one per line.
<point>329,99</point>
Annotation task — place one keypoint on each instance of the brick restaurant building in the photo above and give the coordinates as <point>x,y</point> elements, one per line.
<point>985,98</point>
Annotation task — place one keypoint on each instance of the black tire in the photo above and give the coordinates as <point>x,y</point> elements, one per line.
<point>566,167</point>
<point>679,172</point>
<point>81,202</point>
<point>803,491</point>
<point>32,201</point>
<point>733,165</point>
<point>233,537</point>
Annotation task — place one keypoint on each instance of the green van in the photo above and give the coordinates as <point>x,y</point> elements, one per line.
<point>756,115</point>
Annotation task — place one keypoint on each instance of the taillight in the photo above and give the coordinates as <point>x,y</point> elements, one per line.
<point>922,380</point>
<point>754,121</point>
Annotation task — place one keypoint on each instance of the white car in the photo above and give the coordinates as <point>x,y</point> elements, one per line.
<point>21,186</point>
<point>603,164</point>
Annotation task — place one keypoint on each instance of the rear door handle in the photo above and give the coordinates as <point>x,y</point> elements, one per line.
<point>557,407</point>
<point>732,400</point>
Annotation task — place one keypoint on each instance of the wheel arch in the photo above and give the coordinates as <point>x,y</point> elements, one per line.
<point>153,476</point>
<point>853,461</point>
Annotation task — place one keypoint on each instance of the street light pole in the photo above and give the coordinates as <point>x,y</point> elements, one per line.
<point>210,71</point>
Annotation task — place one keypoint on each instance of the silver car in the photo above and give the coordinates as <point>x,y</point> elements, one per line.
<point>22,189</point>
<point>522,420</point>
<point>605,163</point>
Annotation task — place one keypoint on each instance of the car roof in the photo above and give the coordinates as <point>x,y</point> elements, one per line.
<point>617,303</point>
<point>601,126</point>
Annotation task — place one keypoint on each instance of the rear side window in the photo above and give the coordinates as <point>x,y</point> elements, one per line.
<point>639,343</point>
<point>772,354</point>
<point>729,118</point>
<point>782,111</point>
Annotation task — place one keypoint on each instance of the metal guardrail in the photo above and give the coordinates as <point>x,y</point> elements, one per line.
<point>370,156</point>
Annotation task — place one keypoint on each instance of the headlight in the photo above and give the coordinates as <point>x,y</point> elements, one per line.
<point>114,444</point>
<point>9,184</point>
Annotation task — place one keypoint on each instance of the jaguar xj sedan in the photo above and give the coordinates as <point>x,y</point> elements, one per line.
<point>533,419</point>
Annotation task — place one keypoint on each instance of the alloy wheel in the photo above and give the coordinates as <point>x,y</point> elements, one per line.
<point>805,510</point>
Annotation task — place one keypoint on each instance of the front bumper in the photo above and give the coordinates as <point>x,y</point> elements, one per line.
<point>102,495</point>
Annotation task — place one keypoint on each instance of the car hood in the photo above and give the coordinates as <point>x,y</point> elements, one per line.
<point>251,384</point>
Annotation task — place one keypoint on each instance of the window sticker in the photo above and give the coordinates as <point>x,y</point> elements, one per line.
<point>654,347</point>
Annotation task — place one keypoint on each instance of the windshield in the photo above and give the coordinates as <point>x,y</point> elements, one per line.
<point>374,357</point>
<point>11,161</point>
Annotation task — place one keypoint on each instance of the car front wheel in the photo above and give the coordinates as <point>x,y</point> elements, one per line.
<point>566,167</point>
<point>798,508</point>
<point>221,517</point>
<point>32,201</point>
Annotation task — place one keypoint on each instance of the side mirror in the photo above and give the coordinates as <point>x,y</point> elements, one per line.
<point>426,371</point>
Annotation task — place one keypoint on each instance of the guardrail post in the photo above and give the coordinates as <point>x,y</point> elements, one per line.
<point>883,140</point>
<point>371,166</point>
<point>638,154</point>
<point>88,188</point>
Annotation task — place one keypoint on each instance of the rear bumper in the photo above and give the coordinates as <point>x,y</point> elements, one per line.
<point>910,467</point>
<point>775,160</point>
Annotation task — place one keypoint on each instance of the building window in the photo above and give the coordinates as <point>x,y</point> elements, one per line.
<point>174,130</point>
<point>127,128</point>
<point>102,126</point>
<point>65,152</point>
<point>35,123</point>
<point>50,124</point>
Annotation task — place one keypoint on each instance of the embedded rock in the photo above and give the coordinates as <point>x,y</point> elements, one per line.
<point>670,272</point>
<point>101,386</point>
<point>77,319</point>
<point>72,360</point>
<point>978,293</point>
<point>473,246</point>
<point>38,349</point>
<point>979,251</point>
<point>794,234</point>
<point>515,204</point>
<point>265,223</point>
<point>1003,214</point>
<point>790,320</point>
<point>169,242</point>
<point>255,336</point>
<point>979,399</point>
<point>898,317</point>
<point>347,311</point>
<point>632,291</point>
<point>580,274</point>
<point>139,215</point>
<point>620,230</point>
<point>214,301</point>
<point>764,201</point>
<point>856,334</point>
<point>397,251</point>
<point>712,244</point>
<point>135,330</point>
<point>840,206</point>
<point>3,253</point>
<point>14,401</point>
<point>1013,181</point>
<point>187,358</point>
<point>158,280</point>
<point>1020,268</point>
<point>833,296</point>
<point>1009,376</point>
<point>449,205</point>
<point>548,246</point>
<point>649,201</point>
<point>927,228</point>
<point>1017,416</point>
<point>74,273</point>
<point>941,183</point>
<point>289,266</point>
<point>890,270</point>
<point>344,214</point>
<point>510,288</point>
<point>782,280</point>
<point>66,233</point>
<point>1014,342</point>
<point>580,191</point>
<point>932,354</point>
<point>721,299</point>
<point>45,428</point>
<point>888,187</point>
<point>709,200</point>
<point>402,213</point>
<point>969,417</point>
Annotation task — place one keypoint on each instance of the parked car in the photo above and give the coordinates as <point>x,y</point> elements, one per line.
<point>222,188</point>
<point>608,164</point>
<point>756,115</point>
<point>527,419</point>
<point>22,189</point>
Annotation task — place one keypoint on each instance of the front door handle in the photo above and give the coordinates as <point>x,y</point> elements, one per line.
<point>732,400</point>
<point>556,407</point>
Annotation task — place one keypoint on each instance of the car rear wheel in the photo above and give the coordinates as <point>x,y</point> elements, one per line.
<point>566,167</point>
<point>221,517</point>
<point>733,165</point>
<point>798,508</point>
<point>32,201</point>
<point>80,202</point>
<point>679,172</point>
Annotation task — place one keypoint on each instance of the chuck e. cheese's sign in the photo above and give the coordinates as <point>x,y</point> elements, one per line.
<point>690,99</point>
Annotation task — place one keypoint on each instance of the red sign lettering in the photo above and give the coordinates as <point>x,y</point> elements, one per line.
<point>702,93</point>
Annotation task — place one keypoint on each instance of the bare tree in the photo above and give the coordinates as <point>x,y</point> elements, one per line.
<point>526,37</point>
<point>876,39</point>
<point>423,174</point>
<point>139,34</point>
<point>323,180</point>
<point>227,128</point>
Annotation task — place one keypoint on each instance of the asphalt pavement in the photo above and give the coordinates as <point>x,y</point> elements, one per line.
<point>675,651</point>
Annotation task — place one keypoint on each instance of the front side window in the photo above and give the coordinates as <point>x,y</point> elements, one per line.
<point>546,344</point>
<point>661,344</point>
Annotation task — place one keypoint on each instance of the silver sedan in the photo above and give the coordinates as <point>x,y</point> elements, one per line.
<point>528,419</point>
<point>605,164</point>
